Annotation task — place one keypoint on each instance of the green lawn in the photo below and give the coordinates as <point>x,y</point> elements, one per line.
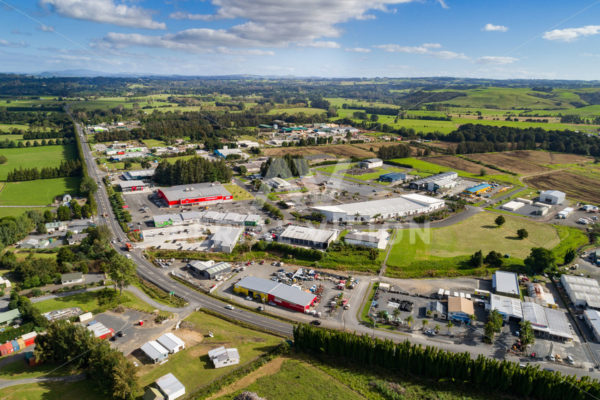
<point>348,258</point>
<point>14,138</point>
<point>238,192</point>
<point>10,127</point>
<point>192,366</point>
<point>37,193</point>
<point>16,211</point>
<point>20,370</point>
<point>154,143</point>
<point>52,391</point>
<point>40,157</point>
<point>440,251</point>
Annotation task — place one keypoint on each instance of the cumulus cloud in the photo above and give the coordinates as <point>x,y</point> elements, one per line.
<point>498,60</point>
<point>570,34</point>
<point>321,44</point>
<point>264,23</point>
<point>425,49</point>
<point>104,11</point>
<point>357,50</point>
<point>6,43</point>
<point>494,28</point>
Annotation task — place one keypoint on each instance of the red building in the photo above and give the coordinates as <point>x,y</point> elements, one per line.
<point>198,193</point>
<point>278,293</point>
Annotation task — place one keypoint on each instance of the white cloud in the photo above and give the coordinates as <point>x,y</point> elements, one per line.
<point>443,3</point>
<point>424,49</point>
<point>494,28</point>
<point>6,43</point>
<point>498,60</point>
<point>570,34</point>
<point>46,28</point>
<point>264,23</point>
<point>357,50</point>
<point>105,11</point>
<point>321,44</point>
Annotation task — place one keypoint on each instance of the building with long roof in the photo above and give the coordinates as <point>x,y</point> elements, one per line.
<point>547,322</point>
<point>197,193</point>
<point>305,236</point>
<point>274,292</point>
<point>583,292</point>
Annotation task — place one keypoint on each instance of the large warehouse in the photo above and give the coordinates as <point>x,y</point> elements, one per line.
<point>552,197</point>
<point>274,292</point>
<point>402,206</point>
<point>198,193</point>
<point>583,292</point>
<point>304,236</point>
<point>432,183</point>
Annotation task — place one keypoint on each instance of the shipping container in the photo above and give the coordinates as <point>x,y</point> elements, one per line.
<point>29,338</point>
<point>6,349</point>
<point>15,345</point>
<point>21,343</point>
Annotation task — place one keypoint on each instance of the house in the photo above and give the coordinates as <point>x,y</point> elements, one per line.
<point>171,342</point>
<point>222,357</point>
<point>371,163</point>
<point>170,387</point>
<point>71,278</point>
<point>58,226</point>
<point>506,283</point>
<point>552,197</point>
<point>460,309</point>
<point>154,351</point>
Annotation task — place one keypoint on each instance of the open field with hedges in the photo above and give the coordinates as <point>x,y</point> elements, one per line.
<point>32,157</point>
<point>37,193</point>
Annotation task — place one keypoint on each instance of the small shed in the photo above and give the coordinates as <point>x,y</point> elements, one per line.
<point>171,342</point>
<point>170,386</point>
<point>71,278</point>
<point>154,351</point>
<point>222,357</point>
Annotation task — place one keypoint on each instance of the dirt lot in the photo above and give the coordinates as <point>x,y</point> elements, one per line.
<point>515,161</point>
<point>576,186</point>
<point>544,157</point>
<point>459,163</point>
<point>339,150</point>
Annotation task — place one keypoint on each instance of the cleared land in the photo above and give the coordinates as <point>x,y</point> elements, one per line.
<point>338,150</point>
<point>40,192</point>
<point>40,157</point>
<point>440,251</point>
<point>514,161</point>
<point>461,164</point>
<point>88,301</point>
<point>574,185</point>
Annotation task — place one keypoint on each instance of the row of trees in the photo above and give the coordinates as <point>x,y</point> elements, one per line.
<point>65,169</point>
<point>194,170</point>
<point>397,151</point>
<point>485,374</point>
<point>286,167</point>
<point>11,144</point>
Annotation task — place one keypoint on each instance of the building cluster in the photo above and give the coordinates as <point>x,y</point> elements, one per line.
<point>158,350</point>
<point>208,269</point>
<point>211,217</point>
<point>198,193</point>
<point>278,134</point>
<point>222,357</point>
<point>12,346</point>
<point>445,180</point>
<point>124,151</point>
<point>138,175</point>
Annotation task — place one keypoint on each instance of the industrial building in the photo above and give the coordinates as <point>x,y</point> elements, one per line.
<point>460,309</point>
<point>547,322</point>
<point>552,197</point>
<point>509,307</point>
<point>583,292</point>
<point>208,269</point>
<point>592,319</point>
<point>506,283</point>
<point>131,186</point>
<point>304,236</point>
<point>445,180</point>
<point>273,292</point>
<point>99,330</point>
<point>170,387</point>
<point>377,239</point>
<point>222,357</point>
<point>138,175</point>
<point>7,317</point>
<point>225,152</point>
<point>512,206</point>
<point>154,351</point>
<point>172,343</point>
<point>198,193</point>
<point>478,189</point>
<point>278,183</point>
<point>194,217</point>
<point>371,163</point>
<point>225,239</point>
<point>366,211</point>
<point>392,177</point>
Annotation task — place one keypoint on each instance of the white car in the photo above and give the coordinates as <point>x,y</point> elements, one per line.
<point>229,307</point>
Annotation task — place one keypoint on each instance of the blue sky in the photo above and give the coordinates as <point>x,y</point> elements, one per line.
<point>329,38</point>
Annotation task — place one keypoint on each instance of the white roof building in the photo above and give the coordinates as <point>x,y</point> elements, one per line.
<point>507,306</point>
<point>401,206</point>
<point>171,342</point>
<point>377,239</point>
<point>222,357</point>
<point>506,283</point>
<point>155,351</point>
<point>170,386</point>
<point>547,321</point>
<point>583,292</point>
<point>305,236</point>
<point>225,238</point>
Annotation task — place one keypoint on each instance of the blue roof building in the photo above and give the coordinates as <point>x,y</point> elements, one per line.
<point>392,177</point>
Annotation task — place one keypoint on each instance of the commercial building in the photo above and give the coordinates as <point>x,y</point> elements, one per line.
<point>71,278</point>
<point>33,243</point>
<point>225,152</point>
<point>583,292</point>
<point>170,387</point>
<point>371,163</point>
<point>392,177</point>
<point>273,292</point>
<point>139,174</point>
<point>162,220</point>
<point>552,197</point>
<point>509,307</point>
<point>172,343</point>
<point>279,184</point>
<point>199,193</point>
<point>208,269</point>
<point>99,330</point>
<point>52,227</point>
<point>194,217</point>
<point>7,317</point>
<point>377,239</point>
<point>154,351</point>
<point>437,309</point>
<point>222,357</point>
<point>506,283</point>
<point>478,189</point>
<point>304,236</point>
<point>592,319</point>
<point>401,206</point>
<point>433,183</point>
<point>547,322</point>
<point>512,205</point>
<point>225,239</point>
<point>460,309</point>
<point>131,186</point>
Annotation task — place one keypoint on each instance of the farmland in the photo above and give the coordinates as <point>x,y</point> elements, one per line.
<point>576,186</point>
<point>458,163</point>
<point>297,110</point>
<point>37,193</point>
<point>31,157</point>
<point>440,251</point>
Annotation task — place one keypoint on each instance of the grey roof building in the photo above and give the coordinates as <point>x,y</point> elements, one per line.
<point>304,236</point>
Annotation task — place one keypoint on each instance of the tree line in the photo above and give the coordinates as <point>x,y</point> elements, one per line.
<point>482,373</point>
<point>65,169</point>
<point>194,170</point>
<point>285,167</point>
<point>397,151</point>
<point>11,144</point>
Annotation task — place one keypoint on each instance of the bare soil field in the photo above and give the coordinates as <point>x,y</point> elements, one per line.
<point>514,161</point>
<point>463,165</point>
<point>574,185</point>
<point>338,150</point>
<point>546,157</point>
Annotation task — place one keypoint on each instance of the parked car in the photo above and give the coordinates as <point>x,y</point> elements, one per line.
<point>570,360</point>
<point>315,322</point>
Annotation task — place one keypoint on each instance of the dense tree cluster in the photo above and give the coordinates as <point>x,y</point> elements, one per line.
<point>13,229</point>
<point>194,170</point>
<point>485,374</point>
<point>288,251</point>
<point>397,151</point>
<point>286,167</point>
<point>65,169</point>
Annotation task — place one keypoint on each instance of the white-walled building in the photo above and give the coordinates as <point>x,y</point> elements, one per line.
<point>222,357</point>
<point>552,197</point>
<point>583,292</point>
<point>377,239</point>
<point>305,236</point>
<point>371,163</point>
<point>171,342</point>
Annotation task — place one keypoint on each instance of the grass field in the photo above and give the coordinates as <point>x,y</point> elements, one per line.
<point>16,211</point>
<point>10,127</point>
<point>52,391</point>
<point>439,251</point>
<point>238,192</point>
<point>40,192</point>
<point>154,143</point>
<point>297,110</point>
<point>40,157</point>
<point>14,138</point>
<point>192,366</point>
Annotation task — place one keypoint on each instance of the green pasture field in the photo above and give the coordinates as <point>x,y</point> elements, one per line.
<point>10,127</point>
<point>438,251</point>
<point>238,192</point>
<point>40,157</point>
<point>509,98</point>
<point>154,143</point>
<point>39,192</point>
<point>297,110</point>
<point>16,211</point>
<point>14,138</point>
<point>192,366</point>
<point>338,101</point>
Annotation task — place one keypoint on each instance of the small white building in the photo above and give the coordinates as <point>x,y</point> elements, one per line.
<point>512,206</point>
<point>170,387</point>
<point>552,197</point>
<point>154,351</point>
<point>506,283</point>
<point>171,342</point>
<point>58,226</point>
<point>564,213</point>
<point>377,239</point>
<point>222,357</point>
<point>371,163</point>
<point>508,307</point>
<point>305,236</point>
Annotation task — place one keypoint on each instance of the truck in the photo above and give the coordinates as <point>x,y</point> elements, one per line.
<point>128,246</point>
